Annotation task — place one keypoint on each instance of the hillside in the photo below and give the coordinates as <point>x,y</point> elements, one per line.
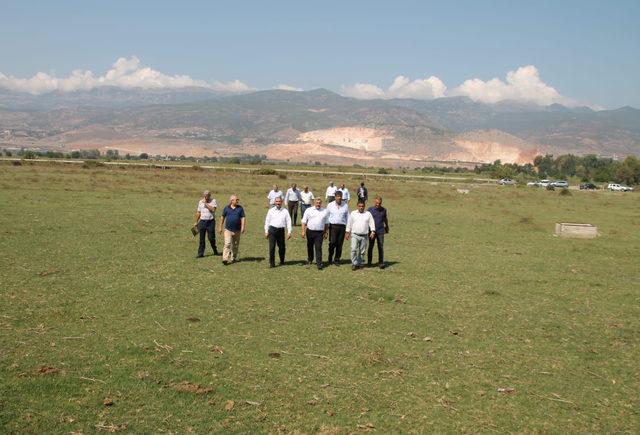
<point>201,122</point>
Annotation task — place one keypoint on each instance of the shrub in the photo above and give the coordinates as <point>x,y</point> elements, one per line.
<point>265,171</point>
<point>282,176</point>
<point>197,168</point>
<point>382,171</point>
<point>16,163</point>
<point>565,192</point>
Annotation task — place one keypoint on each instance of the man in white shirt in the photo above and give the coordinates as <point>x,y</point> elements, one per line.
<point>315,228</point>
<point>331,192</point>
<point>345,194</point>
<point>338,213</point>
<point>273,194</point>
<point>359,227</point>
<point>291,201</point>
<point>205,220</point>
<point>306,200</point>
<point>274,224</point>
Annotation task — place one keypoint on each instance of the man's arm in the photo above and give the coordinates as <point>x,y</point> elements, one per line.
<point>288,220</point>
<point>326,231</point>
<point>242,221</point>
<point>386,223</point>
<point>348,230</point>
<point>197,217</point>
<point>221,224</point>
<point>267,221</point>
<point>372,227</point>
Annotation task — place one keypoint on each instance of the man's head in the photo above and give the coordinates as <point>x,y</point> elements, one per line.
<point>331,183</point>
<point>306,188</point>
<point>233,200</point>
<point>317,203</point>
<point>338,197</point>
<point>294,186</point>
<point>342,186</point>
<point>206,195</point>
<point>275,187</point>
<point>361,206</point>
<point>361,184</point>
<point>278,202</point>
<point>377,202</point>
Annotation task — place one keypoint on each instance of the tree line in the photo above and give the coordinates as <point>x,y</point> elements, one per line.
<point>587,168</point>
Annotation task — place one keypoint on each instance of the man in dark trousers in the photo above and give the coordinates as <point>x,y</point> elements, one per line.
<point>315,227</point>
<point>363,195</point>
<point>381,220</point>
<point>274,225</point>
<point>338,213</point>
<point>205,215</point>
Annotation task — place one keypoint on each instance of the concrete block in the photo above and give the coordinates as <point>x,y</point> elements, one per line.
<point>576,231</point>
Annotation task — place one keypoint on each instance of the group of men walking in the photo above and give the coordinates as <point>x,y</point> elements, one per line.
<point>362,227</point>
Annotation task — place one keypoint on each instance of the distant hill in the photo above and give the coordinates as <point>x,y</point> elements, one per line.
<point>201,121</point>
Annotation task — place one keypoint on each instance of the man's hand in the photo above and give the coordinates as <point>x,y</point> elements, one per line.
<point>386,230</point>
<point>372,235</point>
<point>289,236</point>
<point>302,234</point>
<point>325,235</point>
<point>266,235</point>
<point>347,236</point>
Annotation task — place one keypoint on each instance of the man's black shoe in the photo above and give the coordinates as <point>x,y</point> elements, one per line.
<point>215,252</point>
<point>368,264</point>
<point>336,263</point>
<point>199,256</point>
<point>225,262</point>
<point>320,266</point>
<point>382,266</point>
<point>271,266</point>
<point>354,267</point>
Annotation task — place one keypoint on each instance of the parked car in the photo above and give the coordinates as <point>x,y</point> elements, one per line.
<point>507,182</point>
<point>615,187</point>
<point>544,183</point>
<point>533,183</point>
<point>588,186</point>
<point>561,184</point>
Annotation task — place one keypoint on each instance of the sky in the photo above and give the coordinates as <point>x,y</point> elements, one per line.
<point>568,52</point>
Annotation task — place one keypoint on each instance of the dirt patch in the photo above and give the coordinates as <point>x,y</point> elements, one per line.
<point>45,370</point>
<point>188,387</point>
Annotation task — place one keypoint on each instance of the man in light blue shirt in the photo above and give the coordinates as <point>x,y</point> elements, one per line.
<point>338,213</point>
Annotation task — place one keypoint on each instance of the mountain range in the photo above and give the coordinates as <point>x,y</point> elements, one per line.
<point>316,125</point>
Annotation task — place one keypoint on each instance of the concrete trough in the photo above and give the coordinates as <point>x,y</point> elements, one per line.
<point>576,231</point>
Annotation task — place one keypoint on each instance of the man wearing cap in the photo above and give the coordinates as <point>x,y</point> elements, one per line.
<point>274,225</point>
<point>291,201</point>
<point>338,213</point>
<point>233,221</point>
<point>359,227</point>
<point>331,192</point>
<point>379,214</point>
<point>273,194</point>
<point>205,220</point>
<point>306,200</point>
<point>315,228</point>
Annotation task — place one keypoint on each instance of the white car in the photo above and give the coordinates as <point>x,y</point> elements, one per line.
<point>507,182</point>
<point>544,183</point>
<point>533,183</point>
<point>615,187</point>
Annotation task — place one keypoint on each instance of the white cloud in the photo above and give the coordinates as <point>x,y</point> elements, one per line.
<point>364,91</point>
<point>125,73</point>
<point>402,87</point>
<point>284,87</point>
<point>523,85</point>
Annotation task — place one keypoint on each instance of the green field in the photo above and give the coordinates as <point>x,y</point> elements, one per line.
<point>101,298</point>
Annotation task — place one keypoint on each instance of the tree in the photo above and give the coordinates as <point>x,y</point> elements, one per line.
<point>144,156</point>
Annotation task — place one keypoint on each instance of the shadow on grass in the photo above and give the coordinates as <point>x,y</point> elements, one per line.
<point>251,259</point>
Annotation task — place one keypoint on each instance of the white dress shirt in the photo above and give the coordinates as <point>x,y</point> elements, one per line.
<point>360,223</point>
<point>278,218</point>
<point>345,194</point>
<point>331,191</point>
<point>306,197</point>
<point>338,215</point>
<point>292,195</point>
<point>205,213</point>
<point>315,219</point>
<point>273,195</point>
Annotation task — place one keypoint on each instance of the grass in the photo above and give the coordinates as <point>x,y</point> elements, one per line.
<point>101,299</point>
